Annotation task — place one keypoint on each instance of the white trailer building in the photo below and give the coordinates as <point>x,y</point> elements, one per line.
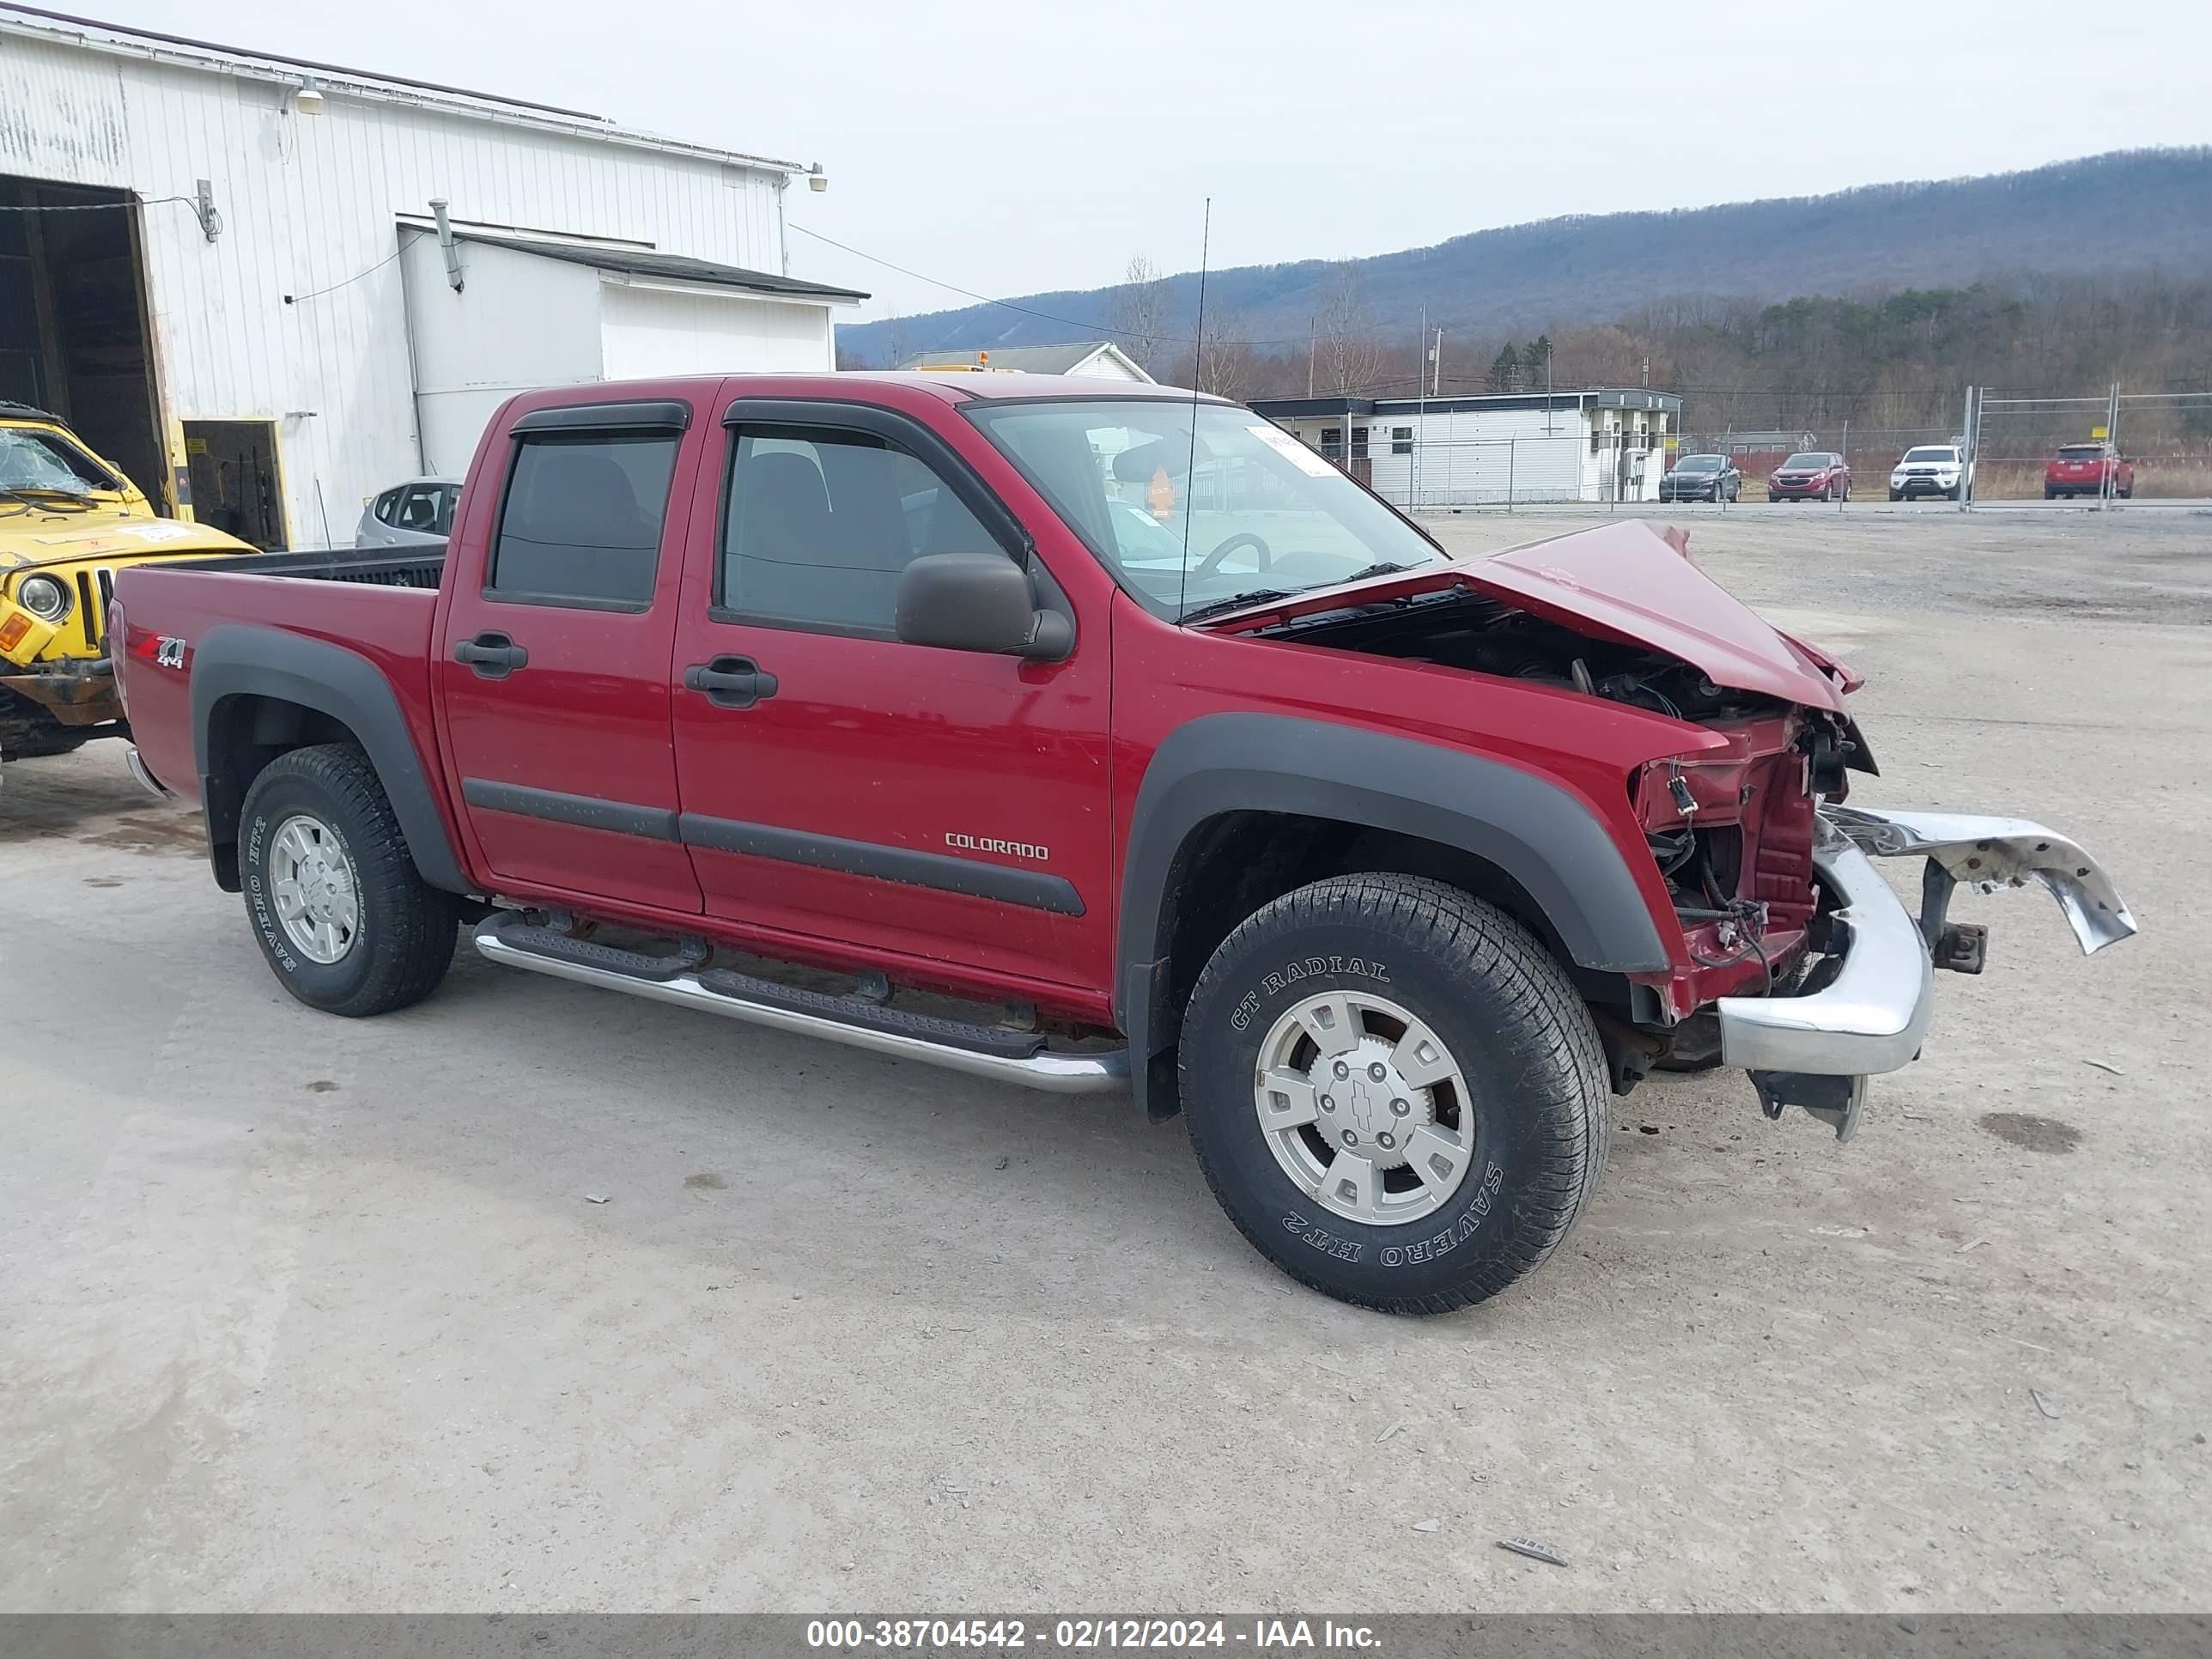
<point>1601,444</point>
<point>226,268</point>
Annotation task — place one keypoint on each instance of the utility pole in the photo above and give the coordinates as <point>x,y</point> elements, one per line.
<point>1647,374</point>
<point>1437,366</point>
<point>1313,337</point>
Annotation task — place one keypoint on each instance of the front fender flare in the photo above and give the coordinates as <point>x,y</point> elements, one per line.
<point>1539,834</point>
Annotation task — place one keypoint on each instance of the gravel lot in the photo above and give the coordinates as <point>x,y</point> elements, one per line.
<point>302,1314</point>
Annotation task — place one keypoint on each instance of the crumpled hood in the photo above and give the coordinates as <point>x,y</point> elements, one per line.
<point>1631,581</point>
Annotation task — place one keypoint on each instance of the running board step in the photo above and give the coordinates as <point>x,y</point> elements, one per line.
<point>978,1050</point>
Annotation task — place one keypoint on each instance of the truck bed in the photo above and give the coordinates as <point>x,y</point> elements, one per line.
<point>374,567</point>
<point>378,603</point>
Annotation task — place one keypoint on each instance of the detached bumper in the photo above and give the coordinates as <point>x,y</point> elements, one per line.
<point>1865,1007</point>
<point>1869,1015</point>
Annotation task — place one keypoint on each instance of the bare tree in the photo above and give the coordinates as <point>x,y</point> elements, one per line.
<point>1138,311</point>
<point>895,340</point>
<point>1347,353</point>
<point>1227,367</point>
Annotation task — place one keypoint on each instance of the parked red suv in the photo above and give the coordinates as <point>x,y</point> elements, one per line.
<point>1812,475</point>
<point>1179,760</point>
<point>2088,469</point>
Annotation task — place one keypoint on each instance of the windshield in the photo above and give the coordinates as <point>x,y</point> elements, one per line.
<point>36,460</point>
<point>1699,464</point>
<point>1927,452</point>
<point>1808,462</point>
<point>1257,511</point>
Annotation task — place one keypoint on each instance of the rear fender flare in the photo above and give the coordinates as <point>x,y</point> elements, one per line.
<point>1539,834</point>
<point>237,659</point>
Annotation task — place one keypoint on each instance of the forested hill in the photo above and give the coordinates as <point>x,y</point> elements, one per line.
<point>2106,216</point>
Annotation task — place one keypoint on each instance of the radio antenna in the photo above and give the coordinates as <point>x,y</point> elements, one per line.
<point>1197,372</point>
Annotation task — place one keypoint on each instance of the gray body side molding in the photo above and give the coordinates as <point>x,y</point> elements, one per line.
<point>1535,832</point>
<point>236,660</point>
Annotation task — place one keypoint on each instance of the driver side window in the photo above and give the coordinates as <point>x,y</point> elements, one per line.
<point>819,524</point>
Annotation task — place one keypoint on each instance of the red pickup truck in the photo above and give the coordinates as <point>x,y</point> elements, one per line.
<point>1084,738</point>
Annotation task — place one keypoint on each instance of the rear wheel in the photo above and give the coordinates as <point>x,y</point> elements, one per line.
<point>1395,1091</point>
<point>347,923</point>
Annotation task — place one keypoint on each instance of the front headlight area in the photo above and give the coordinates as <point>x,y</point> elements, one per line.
<point>46,598</point>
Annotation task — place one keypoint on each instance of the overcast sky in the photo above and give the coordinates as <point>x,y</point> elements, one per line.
<point>1009,146</point>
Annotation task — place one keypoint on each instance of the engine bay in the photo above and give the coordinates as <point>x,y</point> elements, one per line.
<point>1458,628</point>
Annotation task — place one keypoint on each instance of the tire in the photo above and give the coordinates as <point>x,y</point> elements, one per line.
<point>403,930</point>
<point>1530,1078</point>
<point>1897,494</point>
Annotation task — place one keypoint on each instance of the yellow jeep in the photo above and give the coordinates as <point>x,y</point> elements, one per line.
<point>68,521</point>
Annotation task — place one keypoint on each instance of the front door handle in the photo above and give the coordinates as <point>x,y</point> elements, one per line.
<point>730,682</point>
<point>492,656</point>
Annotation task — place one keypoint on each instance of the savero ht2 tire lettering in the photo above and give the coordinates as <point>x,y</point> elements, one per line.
<point>346,922</point>
<point>1395,1091</point>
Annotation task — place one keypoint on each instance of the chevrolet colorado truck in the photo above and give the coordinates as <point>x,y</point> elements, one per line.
<point>69,521</point>
<point>1084,738</point>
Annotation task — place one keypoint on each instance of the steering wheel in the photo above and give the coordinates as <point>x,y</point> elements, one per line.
<point>1212,562</point>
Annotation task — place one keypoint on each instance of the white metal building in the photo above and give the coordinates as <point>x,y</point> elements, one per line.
<point>1596,445</point>
<point>224,266</point>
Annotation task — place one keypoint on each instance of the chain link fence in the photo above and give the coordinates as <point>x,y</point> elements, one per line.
<point>2144,447</point>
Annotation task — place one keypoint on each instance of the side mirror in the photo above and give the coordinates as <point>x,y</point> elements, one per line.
<point>978,602</point>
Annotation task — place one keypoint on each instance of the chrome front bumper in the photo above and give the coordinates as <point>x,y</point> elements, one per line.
<point>1867,1013</point>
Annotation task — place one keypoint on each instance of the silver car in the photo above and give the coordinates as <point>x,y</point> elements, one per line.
<point>411,514</point>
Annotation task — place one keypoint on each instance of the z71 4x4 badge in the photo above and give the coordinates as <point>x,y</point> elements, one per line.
<point>168,652</point>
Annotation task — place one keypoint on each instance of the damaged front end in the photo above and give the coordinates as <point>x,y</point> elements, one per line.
<point>1861,1001</point>
<point>1798,963</point>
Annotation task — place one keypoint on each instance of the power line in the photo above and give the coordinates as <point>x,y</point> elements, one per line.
<point>87,207</point>
<point>1008,305</point>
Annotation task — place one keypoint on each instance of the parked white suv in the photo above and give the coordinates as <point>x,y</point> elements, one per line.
<point>1931,470</point>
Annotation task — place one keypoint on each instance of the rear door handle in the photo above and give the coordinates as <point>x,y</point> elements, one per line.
<point>730,682</point>
<point>492,656</point>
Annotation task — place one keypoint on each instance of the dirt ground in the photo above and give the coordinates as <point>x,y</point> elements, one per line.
<point>297,1313</point>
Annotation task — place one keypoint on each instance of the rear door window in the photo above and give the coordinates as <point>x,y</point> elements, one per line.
<point>580,524</point>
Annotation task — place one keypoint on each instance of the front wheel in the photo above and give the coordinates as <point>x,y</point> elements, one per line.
<point>347,923</point>
<point>1395,1091</point>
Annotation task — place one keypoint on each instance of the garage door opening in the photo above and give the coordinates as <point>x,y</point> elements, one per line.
<point>73,333</point>
<point>235,487</point>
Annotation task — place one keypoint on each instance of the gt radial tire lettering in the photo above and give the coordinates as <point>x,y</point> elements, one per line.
<point>1312,967</point>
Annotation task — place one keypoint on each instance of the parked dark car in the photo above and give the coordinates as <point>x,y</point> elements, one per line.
<point>1811,475</point>
<point>1701,478</point>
